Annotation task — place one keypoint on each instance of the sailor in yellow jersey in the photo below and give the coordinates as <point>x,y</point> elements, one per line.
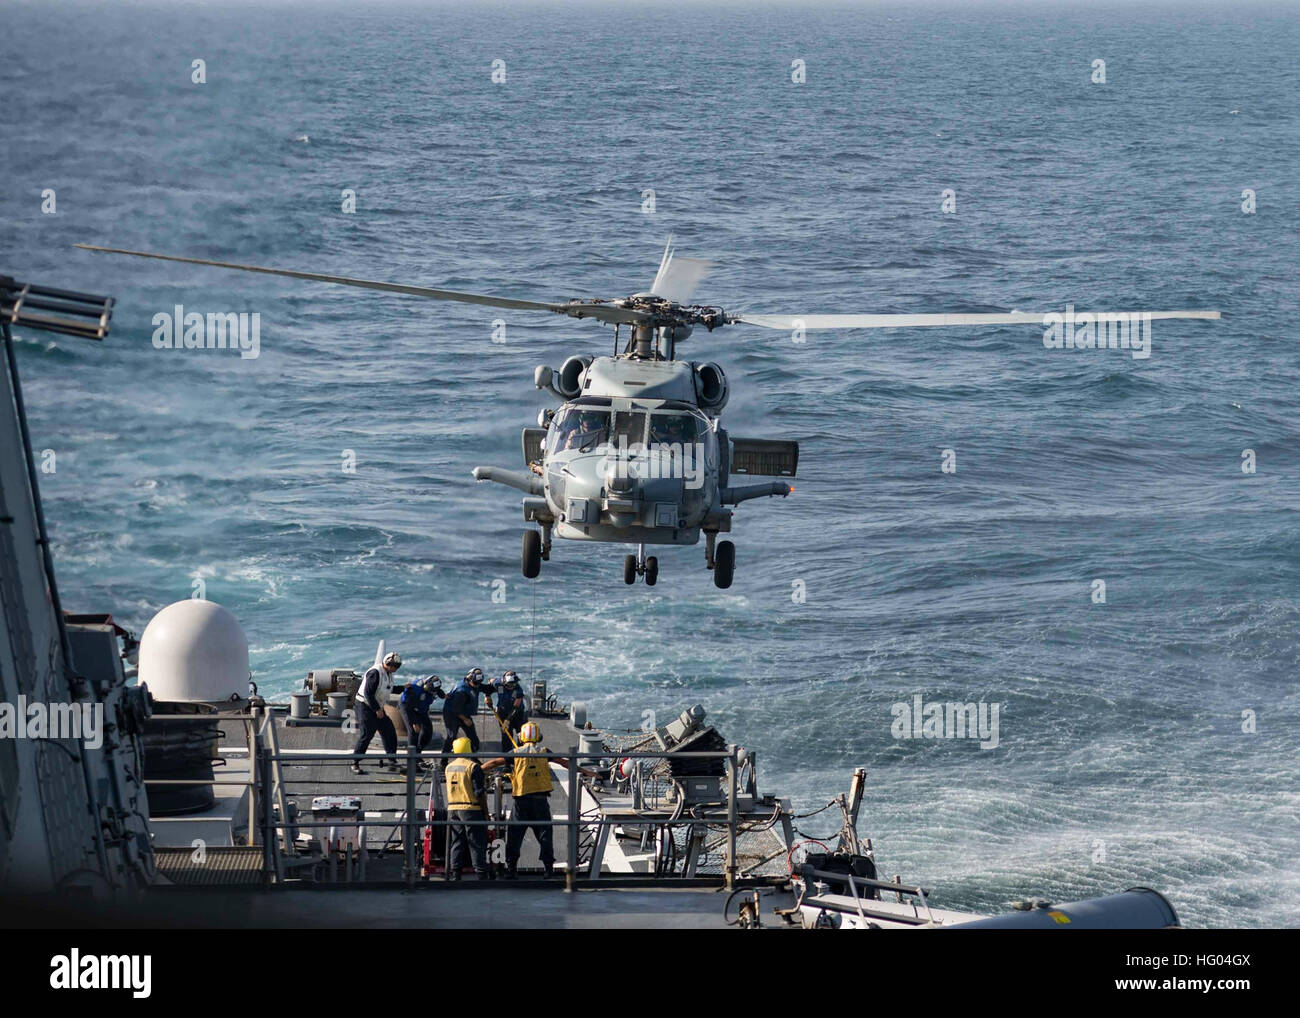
<point>530,785</point>
<point>466,802</point>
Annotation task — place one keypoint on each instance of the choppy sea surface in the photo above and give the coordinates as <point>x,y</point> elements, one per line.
<point>1121,755</point>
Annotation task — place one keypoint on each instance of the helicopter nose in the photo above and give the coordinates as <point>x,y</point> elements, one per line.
<point>619,480</point>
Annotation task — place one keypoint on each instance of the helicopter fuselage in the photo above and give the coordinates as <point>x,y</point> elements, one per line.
<point>648,476</point>
<point>634,454</point>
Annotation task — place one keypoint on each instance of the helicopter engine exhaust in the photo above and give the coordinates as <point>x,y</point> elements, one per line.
<point>569,382</point>
<point>711,387</point>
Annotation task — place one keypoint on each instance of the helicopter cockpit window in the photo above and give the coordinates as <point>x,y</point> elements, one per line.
<point>579,429</point>
<point>629,427</point>
<point>673,429</point>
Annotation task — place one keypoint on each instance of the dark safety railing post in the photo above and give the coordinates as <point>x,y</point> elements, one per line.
<point>262,767</point>
<point>731,816</point>
<point>408,832</point>
<point>254,817</point>
<point>575,807</point>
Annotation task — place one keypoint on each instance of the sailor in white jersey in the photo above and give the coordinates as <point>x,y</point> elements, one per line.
<point>372,697</point>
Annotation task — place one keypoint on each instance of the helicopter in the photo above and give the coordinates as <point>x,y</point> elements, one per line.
<point>635,452</point>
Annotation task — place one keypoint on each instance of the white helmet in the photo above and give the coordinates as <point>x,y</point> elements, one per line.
<point>393,661</point>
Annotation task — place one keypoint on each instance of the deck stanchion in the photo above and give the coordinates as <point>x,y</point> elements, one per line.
<point>270,867</point>
<point>408,830</point>
<point>250,729</point>
<point>575,807</point>
<point>731,817</point>
<point>446,827</point>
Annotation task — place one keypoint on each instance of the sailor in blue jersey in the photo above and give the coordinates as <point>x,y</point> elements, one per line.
<point>459,708</point>
<point>512,708</point>
<point>414,704</point>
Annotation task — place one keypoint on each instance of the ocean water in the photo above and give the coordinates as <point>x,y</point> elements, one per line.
<point>1121,755</point>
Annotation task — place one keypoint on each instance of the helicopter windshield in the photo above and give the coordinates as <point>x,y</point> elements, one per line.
<point>629,427</point>
<point>579,429</point>
<point>673,429</point>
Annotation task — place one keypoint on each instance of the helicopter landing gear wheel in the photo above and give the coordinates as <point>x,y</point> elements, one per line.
<point>638,565</point>
<point>532,556</point>
<point>724,565</point>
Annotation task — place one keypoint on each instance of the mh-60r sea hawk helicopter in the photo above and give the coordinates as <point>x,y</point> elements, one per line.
<point>635,454</point>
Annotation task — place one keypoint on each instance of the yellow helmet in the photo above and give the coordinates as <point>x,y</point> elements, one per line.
<point>462,745</point>
<point>530,733</point>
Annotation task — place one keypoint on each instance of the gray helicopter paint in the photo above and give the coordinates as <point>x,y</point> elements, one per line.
<point>583,494</point>
<point>636,379</point>
<point>623,495</point>
<point>635,512</point>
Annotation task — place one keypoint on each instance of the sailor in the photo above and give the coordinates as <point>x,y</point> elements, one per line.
<point>466,812</point>
<point>512,708</point>
<point>582,429</point>
<point>667,430</point>
<point>372,695</point>
<point>459,708</point>
<point>414,704</point>
<point>530,785</point>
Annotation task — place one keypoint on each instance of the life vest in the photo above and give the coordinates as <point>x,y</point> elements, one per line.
<point>510,700</point>
<point>460,785</point>
<point>463,699</point>
<point>382,688</point>
<point>531,774</point>
<point>416,699</point>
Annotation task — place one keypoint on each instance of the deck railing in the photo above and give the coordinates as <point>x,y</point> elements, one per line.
<point>268,789</point>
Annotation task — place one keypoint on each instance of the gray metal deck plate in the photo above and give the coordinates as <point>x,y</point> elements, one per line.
<point>241,866</point>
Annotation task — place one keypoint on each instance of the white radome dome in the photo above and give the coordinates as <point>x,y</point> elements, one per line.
<point>194,651</point>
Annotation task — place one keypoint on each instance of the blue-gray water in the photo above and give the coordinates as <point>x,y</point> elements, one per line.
<point>1122,758</point>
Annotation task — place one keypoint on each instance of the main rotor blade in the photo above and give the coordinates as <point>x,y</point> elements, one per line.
<point>370,284</point>
<point>679,278</point>
<point>788,322</point>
